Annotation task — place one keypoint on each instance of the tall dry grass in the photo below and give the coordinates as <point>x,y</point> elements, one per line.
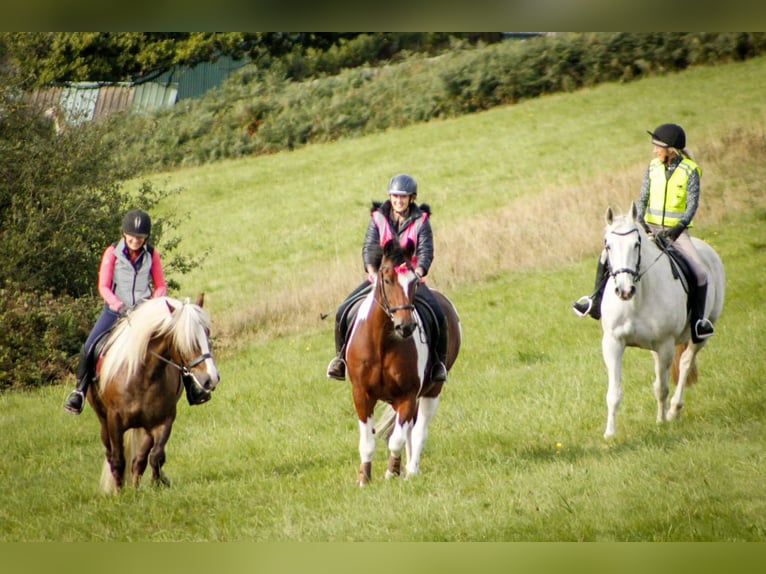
<point>539,230</point>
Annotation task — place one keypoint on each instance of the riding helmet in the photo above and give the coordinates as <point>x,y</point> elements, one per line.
<point>137,222</point>
<point>402,184</point>
<point>669,135</point>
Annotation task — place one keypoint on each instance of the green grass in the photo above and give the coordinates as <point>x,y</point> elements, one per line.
<point>515,452</point>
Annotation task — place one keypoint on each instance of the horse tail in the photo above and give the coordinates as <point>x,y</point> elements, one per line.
<point>131,443</point>
<point>675,367</point>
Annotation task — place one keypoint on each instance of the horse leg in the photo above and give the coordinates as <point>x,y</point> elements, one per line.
<point>685,367</point>
<point>106,482</point>
<point>160,436</point>
<point>663,357</point>
<point>612,350</point>
<point>426,410</point>
<point>141,458</point>
<point>400,436</point>
<point>116,451</point>
<point>366,449</point>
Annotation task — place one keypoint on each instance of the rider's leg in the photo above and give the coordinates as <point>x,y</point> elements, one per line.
<point>439,345</point>
<point>337,367</point>
<point>76,400</point>
<point>701,327</point>
<point>591,304</point>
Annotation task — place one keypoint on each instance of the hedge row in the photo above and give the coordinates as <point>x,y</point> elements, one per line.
<point>260,110</point>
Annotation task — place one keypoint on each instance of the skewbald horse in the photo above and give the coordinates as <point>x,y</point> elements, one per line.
<point>387,357</point>
<point>141,377</point>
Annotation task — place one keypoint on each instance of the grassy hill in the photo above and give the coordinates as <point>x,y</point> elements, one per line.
<point>511,189</point>
<point>515,452</point>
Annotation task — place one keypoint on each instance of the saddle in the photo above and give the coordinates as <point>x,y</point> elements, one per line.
<point>682,271</point>
<point>425,311</point>
<point>97,354</point>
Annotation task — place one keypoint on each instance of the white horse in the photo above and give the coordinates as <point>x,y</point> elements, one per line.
<point>645,306</point>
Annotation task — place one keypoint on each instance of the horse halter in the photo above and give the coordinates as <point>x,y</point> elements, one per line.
<point>385,305</point>
<point>635,273</point>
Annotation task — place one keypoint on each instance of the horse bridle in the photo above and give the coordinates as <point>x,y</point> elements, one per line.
<point>387,308</point>
<point>636,273</point>
<point>184,369</point>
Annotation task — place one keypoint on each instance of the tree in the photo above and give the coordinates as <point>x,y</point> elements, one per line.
<point>61,202</point>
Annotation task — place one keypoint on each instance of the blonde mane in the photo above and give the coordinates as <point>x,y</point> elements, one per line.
<point>128,343</point>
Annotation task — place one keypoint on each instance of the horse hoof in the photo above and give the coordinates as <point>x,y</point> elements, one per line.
<point>365,472</point>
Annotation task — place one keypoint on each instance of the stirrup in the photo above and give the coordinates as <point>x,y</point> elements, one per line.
<point>75,402</point>
<point>337,369</point>
<point>582,306</point>
<point>441,368</point>
<point>703,328</point>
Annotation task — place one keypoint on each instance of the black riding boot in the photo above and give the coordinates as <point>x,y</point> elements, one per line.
<point>337,367</point>
<point>701,327</point>
<point>592,305</point>
<point>439,368</point>
<point>196,394</point>
<point>76,400</point>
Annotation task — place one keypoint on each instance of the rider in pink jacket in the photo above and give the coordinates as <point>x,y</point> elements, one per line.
<point>130,272</point>
<point>402,219</point>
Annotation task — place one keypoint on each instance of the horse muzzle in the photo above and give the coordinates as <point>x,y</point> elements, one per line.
<point>626,293</point>
<point>404,329</point>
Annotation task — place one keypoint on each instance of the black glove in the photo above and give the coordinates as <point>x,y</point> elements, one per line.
<point>672,233</point>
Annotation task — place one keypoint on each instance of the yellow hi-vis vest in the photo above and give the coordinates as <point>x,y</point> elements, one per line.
<point>667,198</point>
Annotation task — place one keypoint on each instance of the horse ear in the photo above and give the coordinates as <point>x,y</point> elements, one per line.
<point>200,299</point>
<point>609,215</point>
<point>633,211</point>
<point>389,247</point>
<point>170,307</point>
<point>409,249</point>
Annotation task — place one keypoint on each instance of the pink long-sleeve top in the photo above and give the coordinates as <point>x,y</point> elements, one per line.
<point>106,278</point>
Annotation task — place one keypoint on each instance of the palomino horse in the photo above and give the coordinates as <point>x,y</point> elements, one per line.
<point>146,358</point>
<point>388,360</point>
<point>645,305</point>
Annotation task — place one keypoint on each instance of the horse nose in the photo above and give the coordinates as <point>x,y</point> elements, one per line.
<point>625,294</point>
<point>405,329</point>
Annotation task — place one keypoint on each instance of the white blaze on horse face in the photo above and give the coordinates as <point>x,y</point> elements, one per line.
<point>407,281</point>
<point>212,370</point>
<point>624,253</point>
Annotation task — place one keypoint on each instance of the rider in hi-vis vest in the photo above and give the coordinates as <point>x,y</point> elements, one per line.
<point>402,219</point>
<point>667,203</point>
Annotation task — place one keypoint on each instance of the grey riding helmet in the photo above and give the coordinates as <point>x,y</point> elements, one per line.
<point>137,223</point>
<point>402,184</point>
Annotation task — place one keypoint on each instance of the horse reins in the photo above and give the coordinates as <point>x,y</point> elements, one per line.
<point>387,308</point>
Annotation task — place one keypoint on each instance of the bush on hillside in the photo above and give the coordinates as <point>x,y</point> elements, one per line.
<point>61,204</point>
<point>261,110</point>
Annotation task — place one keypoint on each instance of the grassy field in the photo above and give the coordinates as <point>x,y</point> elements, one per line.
<point>515,452</point>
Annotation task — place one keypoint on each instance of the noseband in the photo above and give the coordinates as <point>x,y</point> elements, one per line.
<point>385,305</point>
<point>185,369</point>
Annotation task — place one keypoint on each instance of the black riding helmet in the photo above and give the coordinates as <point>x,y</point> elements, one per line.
<point>137,222</point>
<point>669,135</point>
<point>402,184</point>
